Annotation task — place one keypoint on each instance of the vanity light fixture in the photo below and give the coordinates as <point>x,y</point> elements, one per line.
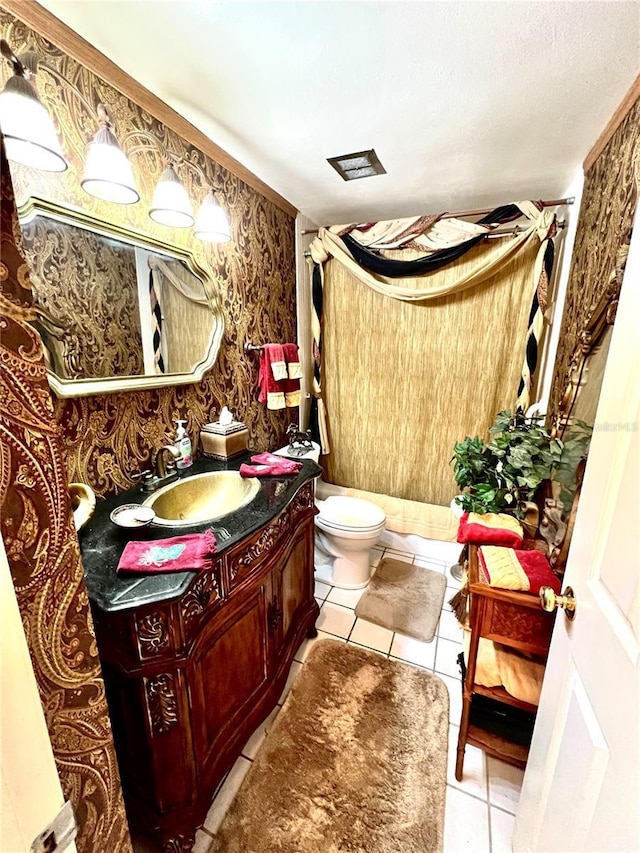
<point>107,171</point>
<point>29,134</point>
<point>171,205</point>
<point>212,223</point>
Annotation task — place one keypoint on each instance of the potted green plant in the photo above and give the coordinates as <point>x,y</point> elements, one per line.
<point>496,476</point>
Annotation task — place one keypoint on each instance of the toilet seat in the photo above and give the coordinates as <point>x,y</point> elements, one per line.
<point>349,514</point>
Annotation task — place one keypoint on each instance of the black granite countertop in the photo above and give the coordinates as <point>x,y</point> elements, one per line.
<point>102,542</point>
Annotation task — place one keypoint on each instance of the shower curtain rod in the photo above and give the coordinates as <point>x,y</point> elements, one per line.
<point>493,235</point>
<point>556,202</point>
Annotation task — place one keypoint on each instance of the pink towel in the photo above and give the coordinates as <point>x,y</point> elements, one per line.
<point>177,554</point>
<point>269,465</point>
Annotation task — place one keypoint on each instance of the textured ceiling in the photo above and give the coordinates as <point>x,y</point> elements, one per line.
<point>466,103</point>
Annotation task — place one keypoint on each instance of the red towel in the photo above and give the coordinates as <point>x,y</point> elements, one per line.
<point>177,554</point>
<point>269,465</point>
<point>507,568</point>
<point>272,363</point>
<point>490,529</point>
<point>294,373</point>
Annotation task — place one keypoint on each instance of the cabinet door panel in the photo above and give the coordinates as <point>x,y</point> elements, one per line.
<point>230,670</point>
<point>295,585</point>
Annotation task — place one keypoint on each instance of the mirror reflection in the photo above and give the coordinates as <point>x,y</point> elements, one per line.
<point>113,305</point>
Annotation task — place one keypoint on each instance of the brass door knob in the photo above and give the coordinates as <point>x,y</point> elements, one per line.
<point>550,600</point>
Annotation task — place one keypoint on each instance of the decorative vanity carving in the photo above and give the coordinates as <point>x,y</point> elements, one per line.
<point>153,634</point>
<point>190,678</point>
<point>161,703</point>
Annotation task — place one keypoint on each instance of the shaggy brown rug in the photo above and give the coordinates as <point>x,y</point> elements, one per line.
<point>404,598</point>
<point>355,761</point>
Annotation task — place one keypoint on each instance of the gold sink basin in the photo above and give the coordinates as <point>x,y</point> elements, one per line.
<point>203,497</point>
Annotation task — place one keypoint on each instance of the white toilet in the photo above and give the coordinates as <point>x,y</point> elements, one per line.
<point>346,530</point>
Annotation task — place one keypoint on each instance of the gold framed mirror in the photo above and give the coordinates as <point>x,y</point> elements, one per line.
<point>117,310</point>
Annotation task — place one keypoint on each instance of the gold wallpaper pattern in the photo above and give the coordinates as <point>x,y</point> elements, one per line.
<point>43,553</point>
<point>606,218</point>
<point>78,274</point>
<point>109,438</point>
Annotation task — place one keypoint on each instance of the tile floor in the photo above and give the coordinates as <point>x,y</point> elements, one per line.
<point>480,810</point>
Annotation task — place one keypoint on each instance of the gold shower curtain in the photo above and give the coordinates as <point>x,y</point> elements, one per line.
<point>404,380</point>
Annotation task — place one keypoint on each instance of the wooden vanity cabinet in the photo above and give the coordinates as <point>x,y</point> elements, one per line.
<point>189,680</point>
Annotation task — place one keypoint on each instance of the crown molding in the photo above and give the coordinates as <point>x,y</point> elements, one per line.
<point>612,125</point>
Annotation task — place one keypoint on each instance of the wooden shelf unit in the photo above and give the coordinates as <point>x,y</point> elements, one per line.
<point>515,620</point>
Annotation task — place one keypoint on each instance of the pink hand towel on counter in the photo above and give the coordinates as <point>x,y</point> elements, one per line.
<point>190,553</point>
<point>269,465</point>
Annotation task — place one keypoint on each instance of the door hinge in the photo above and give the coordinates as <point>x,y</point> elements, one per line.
<point>59,834</point>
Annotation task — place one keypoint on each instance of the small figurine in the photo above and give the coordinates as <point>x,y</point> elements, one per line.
<point>299,442</point>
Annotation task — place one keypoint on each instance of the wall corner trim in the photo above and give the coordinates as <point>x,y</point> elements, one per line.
<point>612,125</point>
<point>47,25</point>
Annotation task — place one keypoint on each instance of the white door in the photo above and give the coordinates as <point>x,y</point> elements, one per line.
<point>30,792</point>
<point>580,789</point>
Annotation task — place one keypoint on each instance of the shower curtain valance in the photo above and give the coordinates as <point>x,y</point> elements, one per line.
<point>444,241</point>
<point>354,254</point>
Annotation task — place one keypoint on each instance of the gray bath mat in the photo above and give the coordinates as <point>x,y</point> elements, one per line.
<point>404,598</point>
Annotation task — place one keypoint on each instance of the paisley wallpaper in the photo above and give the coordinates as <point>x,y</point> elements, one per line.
<point>77,274</point>
<point>606,216</point>
<point>109,438</point>
<point>42,548</point>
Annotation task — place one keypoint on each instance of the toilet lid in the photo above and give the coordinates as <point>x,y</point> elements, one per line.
<point>339,511</point>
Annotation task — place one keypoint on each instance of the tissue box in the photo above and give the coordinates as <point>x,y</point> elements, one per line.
<point>224,442</point>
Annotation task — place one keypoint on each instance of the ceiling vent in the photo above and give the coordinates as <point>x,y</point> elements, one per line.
<point>362,164</point>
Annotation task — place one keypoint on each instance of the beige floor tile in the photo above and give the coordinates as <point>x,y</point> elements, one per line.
<point>449,628</point>
<point>293,674</point>
<point>372,636</point>
<point>434,565</point>
<point>255,741</point>
<point>303,652</point>
<point>505,783</point>
<point>321,590</point>
<point>345,597</point>
<point>501,830</point>
<point>225,795</point>
<point>203,842</point>
<point>335,620</point>
<point>413,651</point>
<point>446,657</point>
<point>474,776</point>
<point>399,555</point>
<point>466,823</point>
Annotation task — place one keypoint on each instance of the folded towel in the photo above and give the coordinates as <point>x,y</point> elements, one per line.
<point>507,568</point>
<point>292,357</point>
<point>274,459</point>
<point>177,554</point>
<point>269,465</point>
<point>272,365</point>
<point>490,529</point>
<point>294,373</point>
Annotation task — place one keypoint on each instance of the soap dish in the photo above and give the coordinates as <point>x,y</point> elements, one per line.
<point>132,515</point>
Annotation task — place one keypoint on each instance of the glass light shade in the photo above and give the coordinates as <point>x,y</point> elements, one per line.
<point>29,135</point>
<point>107,171</point>
<point>171,205</point>
<point>212,224</point>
